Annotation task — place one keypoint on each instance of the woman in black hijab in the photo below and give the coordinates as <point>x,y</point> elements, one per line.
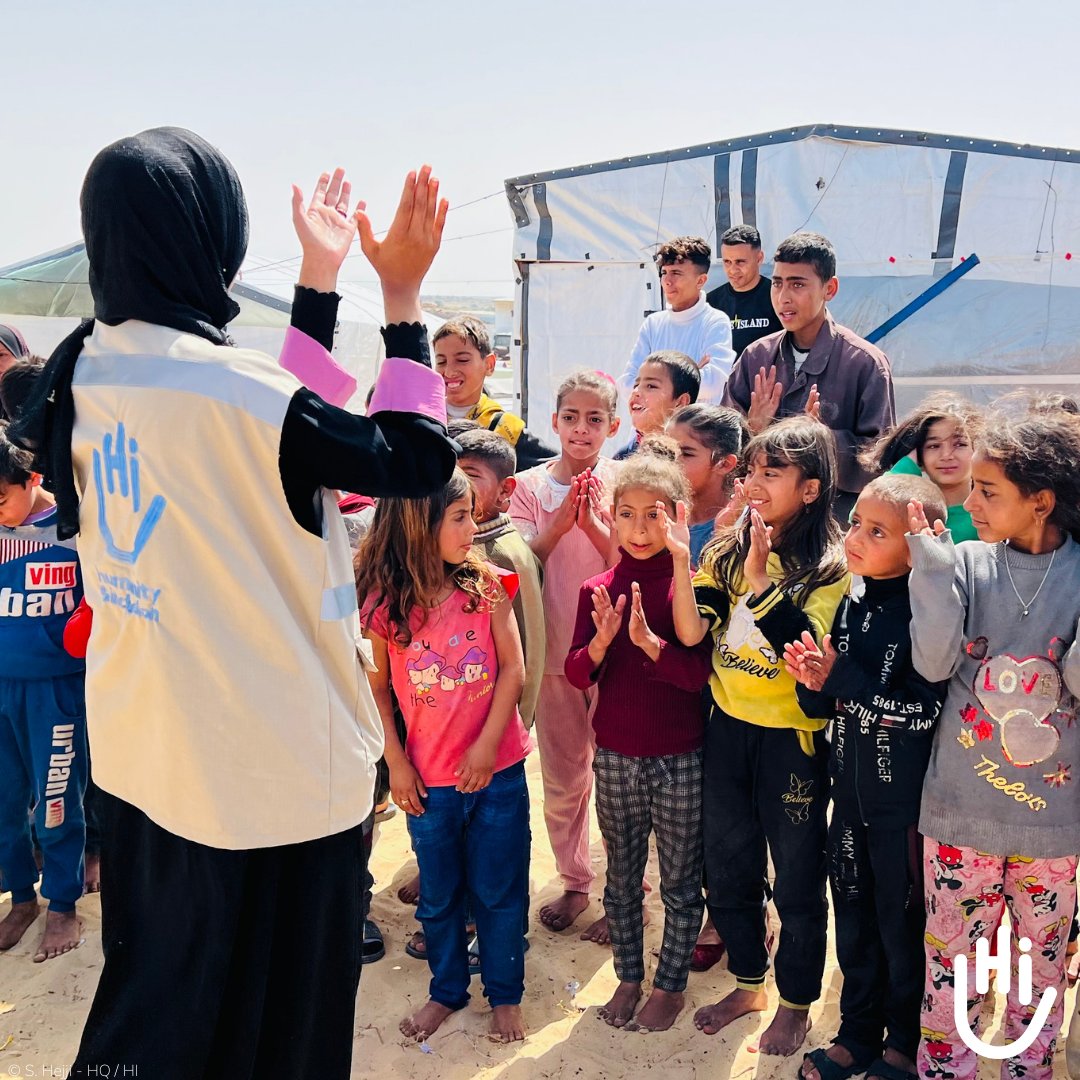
<point>231,727</point>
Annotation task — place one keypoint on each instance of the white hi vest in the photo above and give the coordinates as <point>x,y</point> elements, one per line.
<point>225,698</point>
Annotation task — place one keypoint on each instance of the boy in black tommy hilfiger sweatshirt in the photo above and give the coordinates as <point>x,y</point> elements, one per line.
<point>883,716</point>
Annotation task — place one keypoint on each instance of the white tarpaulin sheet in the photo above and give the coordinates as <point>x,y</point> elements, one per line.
<point>903,210</point>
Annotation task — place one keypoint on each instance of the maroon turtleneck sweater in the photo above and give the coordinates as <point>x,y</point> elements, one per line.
<point>645,708</point>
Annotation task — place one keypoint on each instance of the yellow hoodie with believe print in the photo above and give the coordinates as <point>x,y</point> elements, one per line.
<point>749,680</point>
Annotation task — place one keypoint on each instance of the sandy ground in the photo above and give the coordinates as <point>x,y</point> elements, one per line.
<point>42,1006</point>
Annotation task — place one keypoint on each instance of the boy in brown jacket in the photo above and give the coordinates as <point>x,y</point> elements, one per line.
<point>814,365</point>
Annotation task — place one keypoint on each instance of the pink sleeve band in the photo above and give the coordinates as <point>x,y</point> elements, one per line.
<point>305,358</point>
<point>406,386</point>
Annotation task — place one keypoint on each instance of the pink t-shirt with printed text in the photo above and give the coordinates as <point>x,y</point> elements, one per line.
<point>444,681</point>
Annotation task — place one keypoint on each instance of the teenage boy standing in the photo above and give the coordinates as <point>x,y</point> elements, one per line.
<point>746,297</point>
<point>687,324</point>
<point>814,365</point>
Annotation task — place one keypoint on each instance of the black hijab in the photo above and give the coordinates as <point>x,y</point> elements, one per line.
<point>166,230</point>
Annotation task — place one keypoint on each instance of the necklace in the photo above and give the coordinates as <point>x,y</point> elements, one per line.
<point>1026,607</point>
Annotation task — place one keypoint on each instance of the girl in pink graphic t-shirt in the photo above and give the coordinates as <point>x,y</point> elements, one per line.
<point>443,635</point>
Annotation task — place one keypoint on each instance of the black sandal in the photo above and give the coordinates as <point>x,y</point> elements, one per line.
<point>833,1070</point>
<point>373,948</point>
<point>882,1069</point>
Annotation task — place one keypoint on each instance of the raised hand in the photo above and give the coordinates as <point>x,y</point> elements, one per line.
<point>606,617</point>
<point>639,631</point>
<point>917,523</point>
<point>677,532</point>
<point>764,400</point>
<point>756,566</point>
<point>404,255</point>
<point>813,404</point>
<point>325,230</point>
<point>733,511</point>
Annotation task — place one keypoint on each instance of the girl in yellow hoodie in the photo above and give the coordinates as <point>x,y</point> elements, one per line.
<point>778,571</point>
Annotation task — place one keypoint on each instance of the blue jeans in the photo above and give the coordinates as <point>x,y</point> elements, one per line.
<point>474,845</point>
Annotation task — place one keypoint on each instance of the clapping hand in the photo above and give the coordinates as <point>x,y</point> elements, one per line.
<point>639,631</point>
<point>677,532</point>
<point>756,566</point>
<point>813,404</point>
<point>606,617</point>
<point>808,664</point>
<point>733,511</point>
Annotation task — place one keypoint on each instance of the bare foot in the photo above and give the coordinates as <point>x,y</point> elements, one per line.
<point>92,873</point>
<point>659,1012</point>
<point>425,1021</point>
<point>409,893</point>
<point>841,1055</point>
<point>598,930</point>
<point>63,932</point>
<point>786,1033</point>
<point>899,1061</point>
<point>507,1024</point>
<point>713,1018</point>
<point>16,923</point>
<point>562,913</point>
<point>619,1011</point>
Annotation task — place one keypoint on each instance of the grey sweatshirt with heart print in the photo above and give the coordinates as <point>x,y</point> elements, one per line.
<point>1005,764</point>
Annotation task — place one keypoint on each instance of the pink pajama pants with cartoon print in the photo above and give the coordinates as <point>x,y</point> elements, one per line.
<point>966,895</point>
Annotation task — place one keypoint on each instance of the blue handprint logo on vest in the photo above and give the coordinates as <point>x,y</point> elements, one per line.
<point>119,459</point>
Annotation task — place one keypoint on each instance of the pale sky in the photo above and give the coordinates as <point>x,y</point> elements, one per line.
<point>485,91</point>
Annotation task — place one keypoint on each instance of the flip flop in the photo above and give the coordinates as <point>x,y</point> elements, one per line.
<point>706,956</point>
<point>881,1068</point>
<point>374,948</point>
<point>831,1070</point>
<point>416,947</point>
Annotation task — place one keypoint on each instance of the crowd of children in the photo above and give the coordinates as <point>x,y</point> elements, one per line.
<point>805,649</point>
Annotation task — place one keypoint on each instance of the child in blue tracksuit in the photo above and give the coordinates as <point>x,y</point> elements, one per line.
<point>43,751</point>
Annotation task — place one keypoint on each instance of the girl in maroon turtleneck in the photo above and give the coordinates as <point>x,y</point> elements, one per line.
<point>649,732</point>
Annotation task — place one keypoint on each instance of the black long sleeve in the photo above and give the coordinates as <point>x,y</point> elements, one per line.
<point>403,454</point>
<point>315,314</point>
<point>783,623</point>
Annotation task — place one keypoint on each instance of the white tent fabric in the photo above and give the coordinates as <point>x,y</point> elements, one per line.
<point>903,210</point>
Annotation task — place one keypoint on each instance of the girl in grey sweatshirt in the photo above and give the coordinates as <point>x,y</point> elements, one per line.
<point>1000,811</point>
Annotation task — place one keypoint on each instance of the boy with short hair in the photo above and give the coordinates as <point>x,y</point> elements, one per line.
<point>688,324</point>
<point>488,462</point>
<point>814,365</point>
<point>746,297</point>
<point>464,358</point>
<point>665,381</point>
<point>43,752</point>
<point>883,717</point>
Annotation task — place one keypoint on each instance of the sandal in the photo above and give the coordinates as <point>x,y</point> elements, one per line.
<point>832,1070</point>
<point>706,956</point>
<point>884,1071</point>
<point>373,948</point>
<point>417,949</point>
<point>416,946</point>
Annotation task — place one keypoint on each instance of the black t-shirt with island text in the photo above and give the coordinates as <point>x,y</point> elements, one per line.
<point>751,312</point>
